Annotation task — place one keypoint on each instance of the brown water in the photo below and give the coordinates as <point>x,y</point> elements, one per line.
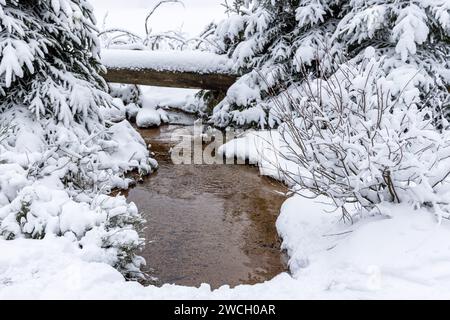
<point>208,223</point>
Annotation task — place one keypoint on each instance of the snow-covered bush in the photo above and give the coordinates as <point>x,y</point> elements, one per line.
<point>363,135</point>
<point>106,229</point>
<point>57,155</point>
<point>276,40</point>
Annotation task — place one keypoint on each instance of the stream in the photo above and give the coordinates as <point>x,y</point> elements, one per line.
<point>210,224</point>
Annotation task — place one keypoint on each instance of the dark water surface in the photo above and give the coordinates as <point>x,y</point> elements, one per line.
<point>208,223</point>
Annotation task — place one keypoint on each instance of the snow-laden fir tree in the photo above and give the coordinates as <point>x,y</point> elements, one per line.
<point>50,60</point>
<point>58,157</point>
<point>272,41</point>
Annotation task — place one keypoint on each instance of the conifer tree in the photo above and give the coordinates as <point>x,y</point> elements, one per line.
<point>272,41</point>
<point>51,92</point>
<point>49,60</point>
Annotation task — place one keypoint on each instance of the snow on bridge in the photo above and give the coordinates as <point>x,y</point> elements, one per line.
<point>180,69</point>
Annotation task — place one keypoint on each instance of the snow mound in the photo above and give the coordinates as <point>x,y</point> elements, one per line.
<point>398,254</point>
<point>150,117</point>
<point>261,148</point>
<point>134,155</point>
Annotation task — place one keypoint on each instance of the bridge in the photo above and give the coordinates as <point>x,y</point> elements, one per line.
<point>180,69</point>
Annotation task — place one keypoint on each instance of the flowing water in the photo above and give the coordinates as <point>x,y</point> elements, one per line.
<point>208,223</point>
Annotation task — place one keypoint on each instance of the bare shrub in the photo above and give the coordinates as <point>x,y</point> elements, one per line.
<point>171,39</point>
<point>360,136</point>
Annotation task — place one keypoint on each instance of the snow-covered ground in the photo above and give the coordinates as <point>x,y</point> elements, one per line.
<point>153,97</point>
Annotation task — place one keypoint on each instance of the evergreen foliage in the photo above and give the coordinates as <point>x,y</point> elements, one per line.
<point>49,60</point>
<point>273,40</point>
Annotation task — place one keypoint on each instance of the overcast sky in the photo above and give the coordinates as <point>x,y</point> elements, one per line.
<point>130,14</point>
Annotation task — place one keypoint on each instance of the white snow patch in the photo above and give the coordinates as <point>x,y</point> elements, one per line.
<point>115,113</point>
<point>135,154</point>
<point>148,117</point>
<point>260,148</point>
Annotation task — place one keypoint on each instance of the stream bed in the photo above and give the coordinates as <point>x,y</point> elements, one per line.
<point>210,224</point>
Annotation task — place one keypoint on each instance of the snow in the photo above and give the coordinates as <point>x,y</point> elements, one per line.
<point>35,203</point>
<point>155,97</point>
<point>116,112</point>
<point>155,104</point>
<point>76,218</point>
<point>260,148</point>
<point>183,61</point>
<point>411,29</point>
<point>148,118</point>
<point>135,154</point>
<point>155,100</point>
<point>398,254</point>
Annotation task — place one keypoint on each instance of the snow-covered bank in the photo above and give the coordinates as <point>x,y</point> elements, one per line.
<point>160,97</point>
<point>265,149</point>
<point>59,158</point>
<point>400,253</point>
